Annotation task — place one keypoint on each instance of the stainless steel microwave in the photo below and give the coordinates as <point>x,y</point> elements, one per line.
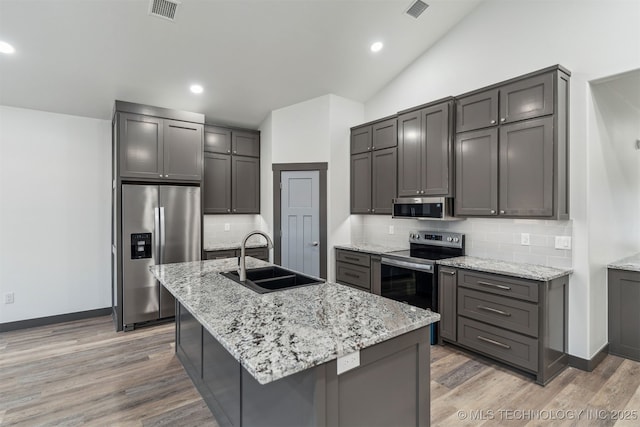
<point>435,208</point>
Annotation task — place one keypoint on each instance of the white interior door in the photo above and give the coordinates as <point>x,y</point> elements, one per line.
<point>300,211</point>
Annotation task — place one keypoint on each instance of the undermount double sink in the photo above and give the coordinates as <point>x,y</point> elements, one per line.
<point>271,279</point>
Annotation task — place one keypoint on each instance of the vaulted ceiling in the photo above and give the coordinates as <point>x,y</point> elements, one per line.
<point>251,57</point>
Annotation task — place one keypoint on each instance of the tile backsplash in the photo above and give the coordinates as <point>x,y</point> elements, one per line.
<point>488,238</point>
<point>239,225</point>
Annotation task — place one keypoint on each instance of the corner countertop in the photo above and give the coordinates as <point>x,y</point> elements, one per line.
<point>370,248</point>
<point>509,268</point>
<point>281,333</point>
<point>230,246</point>
<point>631,263</point>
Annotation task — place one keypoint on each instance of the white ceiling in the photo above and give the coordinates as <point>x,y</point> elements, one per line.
<point>78,56</point>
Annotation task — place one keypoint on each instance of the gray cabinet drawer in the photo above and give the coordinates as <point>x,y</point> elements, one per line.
<point>509,313</point>
<point>353,275</point>
<point>510,347</point>
<point>220,254</point>
<point>500,285</point>
<point>353,258</point>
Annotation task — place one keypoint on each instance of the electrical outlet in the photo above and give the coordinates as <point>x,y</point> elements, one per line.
<point>391,230</point>
<point>563,242</point>
<point>8,298</point>
<point>525,239</point>
<point>348,362</point>
<point>227,226</point>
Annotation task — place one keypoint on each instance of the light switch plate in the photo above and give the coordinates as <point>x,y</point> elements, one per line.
<point>525,239</point>
<point>391,229</point>
<point>8,298</point>
<point>563,242</point>
<point>348,362</point>
<point>227,226</point>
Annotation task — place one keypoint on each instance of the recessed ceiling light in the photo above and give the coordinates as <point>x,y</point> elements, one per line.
<point>376,47</point>
<point>6,47</point>
<point>196,89</point>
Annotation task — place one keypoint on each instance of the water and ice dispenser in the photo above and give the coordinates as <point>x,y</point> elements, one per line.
<point>140,245</point>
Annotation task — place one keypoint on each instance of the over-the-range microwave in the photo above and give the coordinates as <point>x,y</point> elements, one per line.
<point>434,208</point>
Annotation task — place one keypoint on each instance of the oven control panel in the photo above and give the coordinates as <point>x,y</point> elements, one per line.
<point>437,238</point>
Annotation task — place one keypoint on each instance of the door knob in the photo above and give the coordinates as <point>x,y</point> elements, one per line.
<point>314,243</point>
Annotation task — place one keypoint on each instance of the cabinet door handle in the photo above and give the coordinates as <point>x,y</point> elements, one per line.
<point>494,310</point>
<point>228,210</point>
<point>490,341</point>
<point>160,175</point>
<point>493,285</point>
<point>493,122</point>
<point>373,148</point>
<point>228,151</point>
<point>368,148</point>
<point>418,192</point>
<point>502,120</point>
<point>502,212</point>
<point>373,210</point>
<point>452,273</point>
<point>234,210</point>
<point>492,211</point>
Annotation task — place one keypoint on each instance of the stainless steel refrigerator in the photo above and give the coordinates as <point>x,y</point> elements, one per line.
<point>160,225</point>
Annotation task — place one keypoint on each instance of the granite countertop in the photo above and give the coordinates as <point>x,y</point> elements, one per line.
<point>509,268</point>
<point>231,246</point>
<point>278,334</point>
<point>370,248</point>
<point>631,263</point>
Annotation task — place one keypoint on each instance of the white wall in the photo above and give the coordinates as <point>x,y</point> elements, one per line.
<point>614,184</point>
<point>313,131</point>
<point>502,39</point>
<point>55,198</point>
<point>214,232</point>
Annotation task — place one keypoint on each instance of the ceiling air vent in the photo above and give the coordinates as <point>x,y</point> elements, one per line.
<point>417,8</point>
<point>165,9</point>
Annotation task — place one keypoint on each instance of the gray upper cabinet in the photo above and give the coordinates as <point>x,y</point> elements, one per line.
<point>141,145</point>
<point>245,185</point>
<point>245,143</point>
<point>425,152</point>
<point>216,188</point>
<point>477,111</point>
<point>217,140</point>
<point>528,98</point>
<point>231,171</point>
<point>383,180</point>
<point>373,167</point>
<point>182,150</point>
<point>477,173</point>
<point>361,183</point>
<point>153,148</point>
<point>518,165</point>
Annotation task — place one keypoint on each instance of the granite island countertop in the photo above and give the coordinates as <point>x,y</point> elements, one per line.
<point>211,247</point>
<point>631,263</point>
<point>509,268</point>
<point>281,333</point>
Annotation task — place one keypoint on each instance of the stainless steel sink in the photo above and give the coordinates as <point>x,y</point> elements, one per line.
<point>271,279</point>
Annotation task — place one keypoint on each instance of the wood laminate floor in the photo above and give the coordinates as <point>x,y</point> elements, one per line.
<point>84,373</point>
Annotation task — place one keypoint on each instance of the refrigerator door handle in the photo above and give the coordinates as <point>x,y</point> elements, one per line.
<point>156,229</point>
<point>162,241</point>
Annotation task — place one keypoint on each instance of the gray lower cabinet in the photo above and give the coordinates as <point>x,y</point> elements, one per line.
<point>153,148</point>
<point>447,303</point>
<point>520,322</point>
<point>512,148</point>
<point>425,151</point>
<point>359,270</point>
<point>624,313</point>
<point>373,167</point>
<point>231,181</point>
<point>390,387</point>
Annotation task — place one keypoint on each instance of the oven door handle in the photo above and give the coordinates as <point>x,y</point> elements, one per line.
<point>405,264</point>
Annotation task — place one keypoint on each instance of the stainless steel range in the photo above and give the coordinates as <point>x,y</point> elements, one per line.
<point>411,276</point>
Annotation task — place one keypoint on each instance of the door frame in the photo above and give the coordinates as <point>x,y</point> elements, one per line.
<point>278,168</point>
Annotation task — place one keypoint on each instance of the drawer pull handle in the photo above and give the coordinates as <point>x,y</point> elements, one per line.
<point>493,310</point>
<point>493,285</point>
<point>453,273</point>
<point>351,258</point>
<point>490,341</point>
<point>351,275</point>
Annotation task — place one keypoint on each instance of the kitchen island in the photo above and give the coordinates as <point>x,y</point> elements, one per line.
<point>319,355</point>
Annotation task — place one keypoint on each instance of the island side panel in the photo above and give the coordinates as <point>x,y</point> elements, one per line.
<point>390,387</point>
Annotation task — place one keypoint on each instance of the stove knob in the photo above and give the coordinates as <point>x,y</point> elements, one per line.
<point>449,239</point>
<point>456,240</point>
<point>411,236</point>
<point>417,237</point>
